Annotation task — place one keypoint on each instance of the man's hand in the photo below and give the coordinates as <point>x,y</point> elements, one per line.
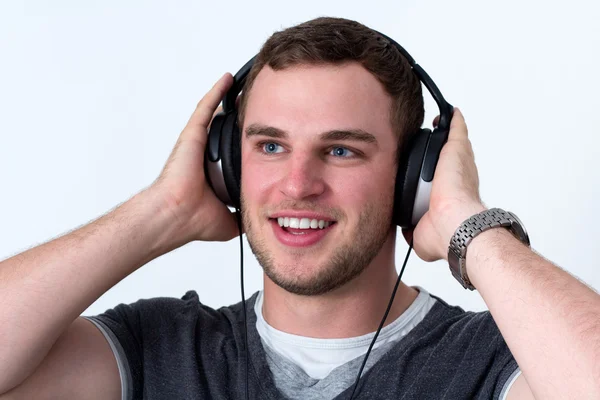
<point>454,194</point>
<point>200,215</point>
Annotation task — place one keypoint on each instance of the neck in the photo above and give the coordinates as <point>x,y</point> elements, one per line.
<point>352,310</point>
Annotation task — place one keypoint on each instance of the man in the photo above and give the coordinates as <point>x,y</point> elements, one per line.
<point>324,290</point>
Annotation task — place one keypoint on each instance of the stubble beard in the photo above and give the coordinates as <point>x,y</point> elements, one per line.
<point>346,262</point>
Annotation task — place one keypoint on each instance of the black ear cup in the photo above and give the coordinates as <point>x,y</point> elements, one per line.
<point>231,157</point>
<point>213,159</point>
<point>222,158</point>
<point>407,179</point>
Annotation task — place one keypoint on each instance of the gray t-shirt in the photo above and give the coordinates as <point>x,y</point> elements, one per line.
<point>311,368</point>
<point>170,348</point>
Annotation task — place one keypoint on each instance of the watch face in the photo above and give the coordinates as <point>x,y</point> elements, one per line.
<point>519,229</point>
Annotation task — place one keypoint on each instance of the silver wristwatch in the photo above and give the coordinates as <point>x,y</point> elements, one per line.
<point>488,219</point>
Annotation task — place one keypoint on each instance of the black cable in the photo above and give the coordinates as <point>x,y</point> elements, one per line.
<point>410,246</point>
<point>246,352</point>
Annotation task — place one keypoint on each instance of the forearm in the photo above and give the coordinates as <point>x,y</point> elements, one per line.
<point>43,290</point>
<point>549,319</point>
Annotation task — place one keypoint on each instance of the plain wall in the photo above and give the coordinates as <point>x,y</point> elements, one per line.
<point>93,96</point>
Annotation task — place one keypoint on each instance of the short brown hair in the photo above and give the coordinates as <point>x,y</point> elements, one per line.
<point>328,40</point>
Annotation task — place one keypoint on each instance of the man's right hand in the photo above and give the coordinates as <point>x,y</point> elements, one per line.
<point>198,213</point>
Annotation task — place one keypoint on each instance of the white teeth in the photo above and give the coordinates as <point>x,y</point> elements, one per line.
<point>302,223</point>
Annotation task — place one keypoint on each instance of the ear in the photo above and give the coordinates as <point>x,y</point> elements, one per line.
<point>408,234</point>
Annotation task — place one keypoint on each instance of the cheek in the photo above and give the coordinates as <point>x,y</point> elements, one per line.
<point>257,179</point>
<point>360,189</point>
<point>351,190</point>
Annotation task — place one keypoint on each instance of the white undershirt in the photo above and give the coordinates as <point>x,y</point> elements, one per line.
<point>318,357</point>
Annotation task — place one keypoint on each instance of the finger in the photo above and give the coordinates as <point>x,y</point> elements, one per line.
<point>458,126</point>
<point>218,110</point>
<point>206,107</point>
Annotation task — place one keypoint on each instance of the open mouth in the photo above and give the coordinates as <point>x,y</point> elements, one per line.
<point>300,232</point>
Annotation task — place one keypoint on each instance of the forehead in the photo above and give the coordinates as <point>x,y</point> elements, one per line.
<point>314,98</point>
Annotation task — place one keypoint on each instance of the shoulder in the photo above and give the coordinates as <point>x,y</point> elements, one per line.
<point>169,338</point>
<point>161,317</point>
<point>468,346</point>
<point>455,323</point>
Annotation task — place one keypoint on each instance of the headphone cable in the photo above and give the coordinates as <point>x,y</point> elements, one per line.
<point>246,352</point>
<point>410,246</point>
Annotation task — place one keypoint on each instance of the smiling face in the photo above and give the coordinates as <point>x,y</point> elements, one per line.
<point>318,157</point>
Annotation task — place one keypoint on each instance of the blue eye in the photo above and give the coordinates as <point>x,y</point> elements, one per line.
<point>271,148</point>
<point>341,152</point>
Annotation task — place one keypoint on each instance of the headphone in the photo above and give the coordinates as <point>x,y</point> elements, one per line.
<point>416,164</point>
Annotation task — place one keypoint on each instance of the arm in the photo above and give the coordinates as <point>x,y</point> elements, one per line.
<point>43,290</point>
<point>549,320</point>
<point>80,365</point>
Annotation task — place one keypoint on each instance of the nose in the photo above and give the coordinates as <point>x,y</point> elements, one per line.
<point>303,177</point>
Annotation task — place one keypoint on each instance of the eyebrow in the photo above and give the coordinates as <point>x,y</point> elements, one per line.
<point>357,135</point>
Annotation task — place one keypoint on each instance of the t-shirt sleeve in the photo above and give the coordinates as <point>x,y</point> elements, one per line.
<point>122,328</point>
<point>504,368</point>
<point>506,377</point>
<point>509,382</point>
<point>473,354</point>
<point>132,329</point>
<point>120,356</point>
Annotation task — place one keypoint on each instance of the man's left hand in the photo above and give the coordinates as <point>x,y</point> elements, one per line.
<point>454,194</point>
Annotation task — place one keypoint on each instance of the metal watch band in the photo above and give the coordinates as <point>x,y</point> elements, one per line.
<point>485,220</point>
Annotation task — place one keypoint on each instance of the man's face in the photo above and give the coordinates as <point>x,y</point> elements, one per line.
<point>318,154</point>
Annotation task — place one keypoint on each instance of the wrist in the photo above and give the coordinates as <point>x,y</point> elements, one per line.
<point>473,228</point>
<point>163,231</point>
<point>485,246</point>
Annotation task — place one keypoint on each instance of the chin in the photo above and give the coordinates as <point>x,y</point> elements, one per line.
<point>313,277</point>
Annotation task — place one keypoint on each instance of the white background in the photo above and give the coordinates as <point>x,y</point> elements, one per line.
<point>93,96</point>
